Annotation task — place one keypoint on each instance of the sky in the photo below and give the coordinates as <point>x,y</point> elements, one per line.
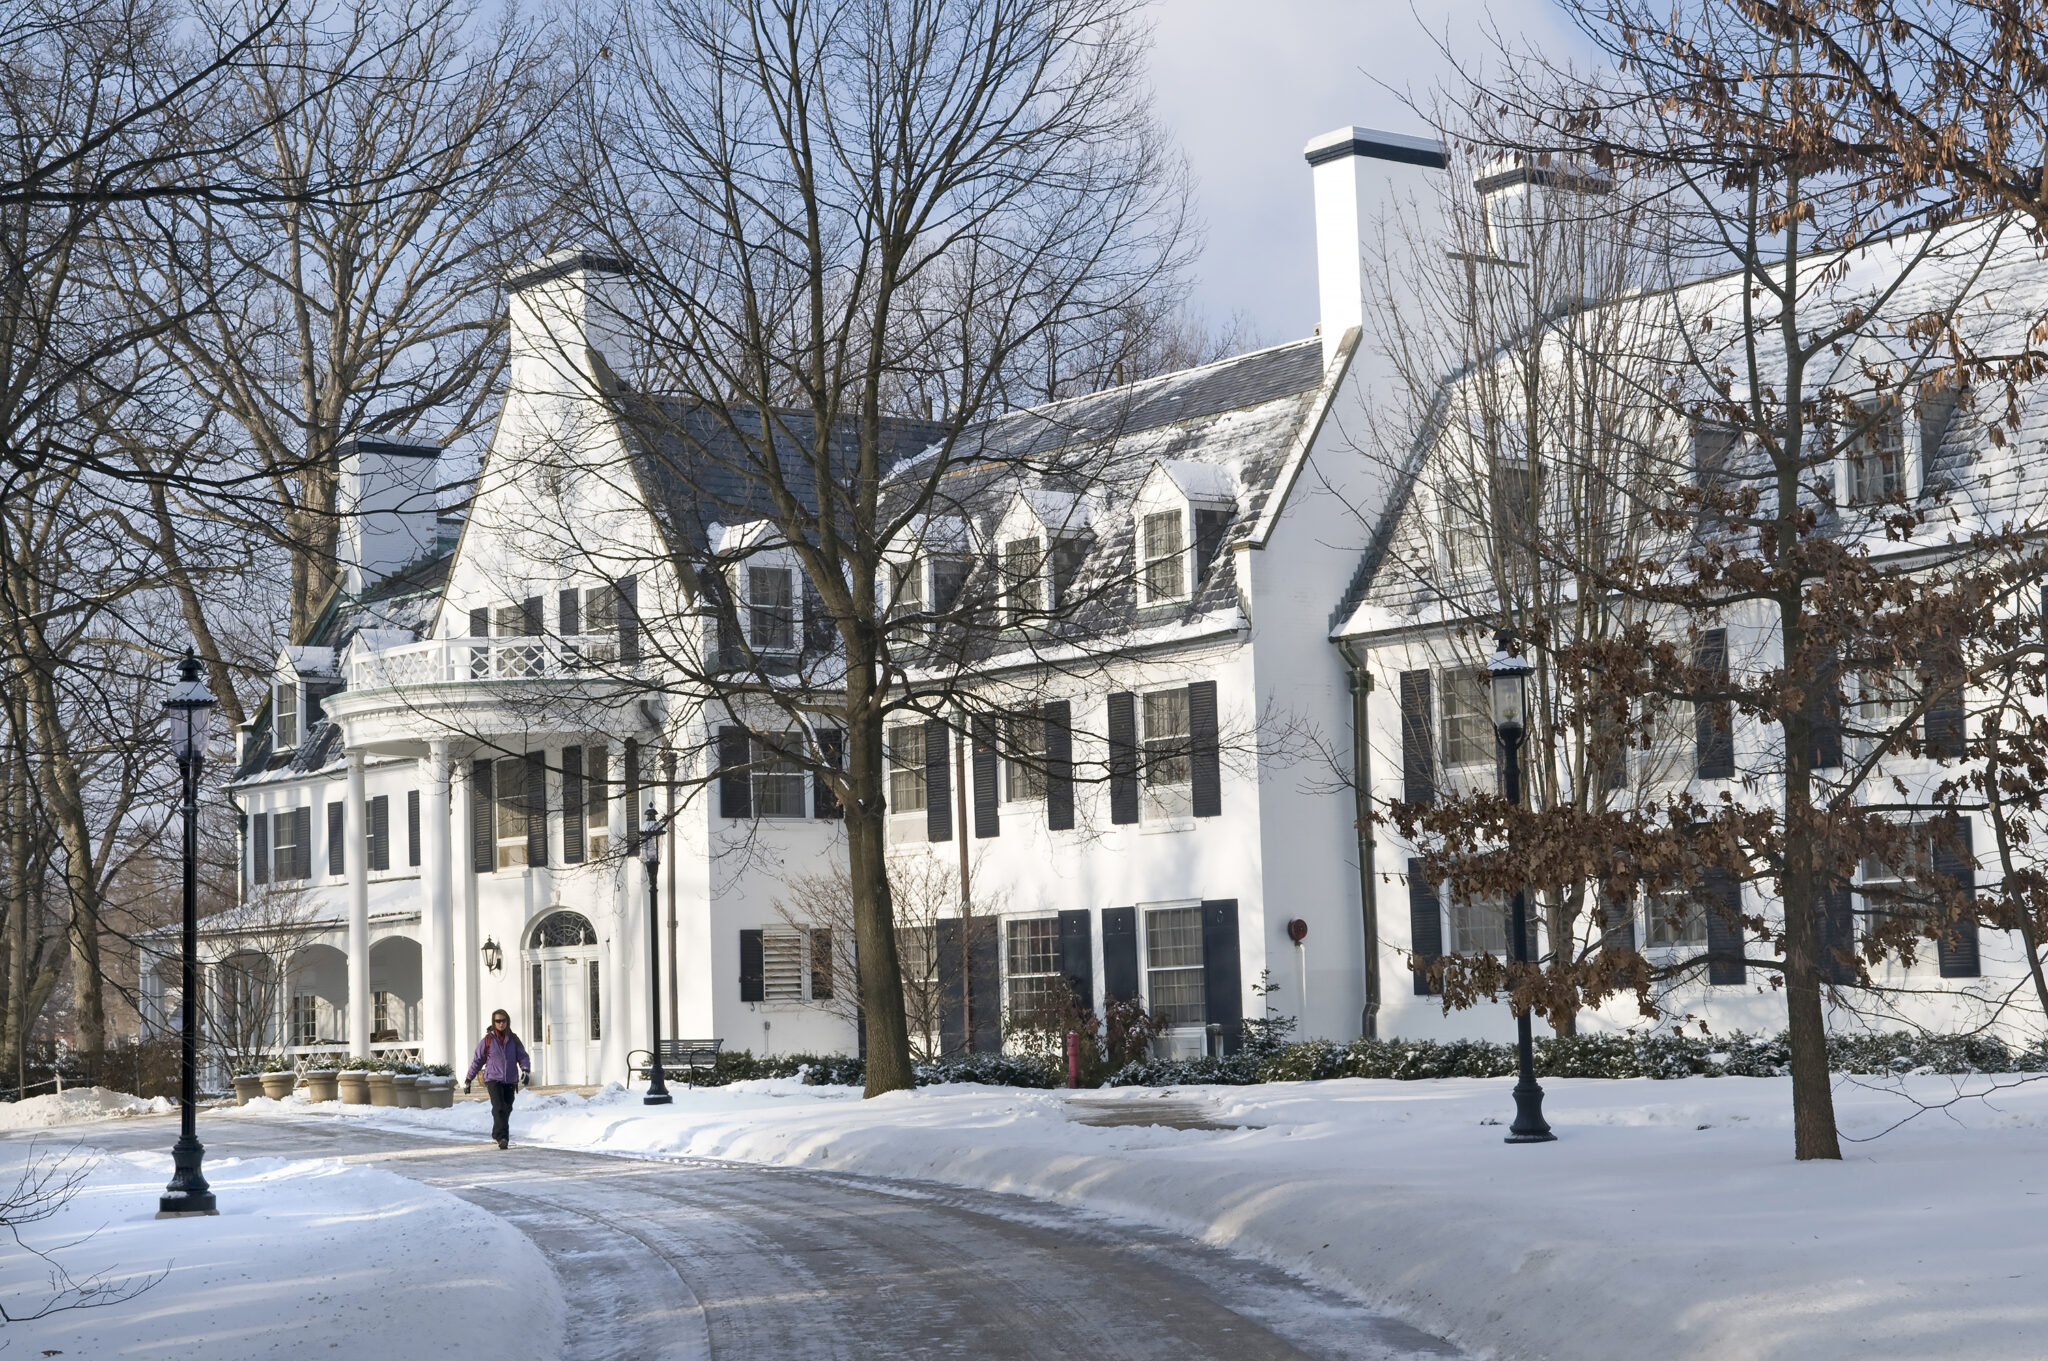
<point>1244,84</point>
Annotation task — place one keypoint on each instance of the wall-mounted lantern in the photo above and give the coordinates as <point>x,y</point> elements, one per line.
<point>494,956</point>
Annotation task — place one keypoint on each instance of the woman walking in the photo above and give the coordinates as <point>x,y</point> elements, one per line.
<point>502,1060</point>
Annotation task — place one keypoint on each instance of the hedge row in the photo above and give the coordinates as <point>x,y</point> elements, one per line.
<point>1599,1056</point>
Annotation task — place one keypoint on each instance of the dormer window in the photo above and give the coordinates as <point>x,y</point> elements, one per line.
<point>907,591</point>
<point>1877,458</point>
<point>1164,549</point>
<point>1024,580</point>
<point>771,608</point>
<point>284,715</point>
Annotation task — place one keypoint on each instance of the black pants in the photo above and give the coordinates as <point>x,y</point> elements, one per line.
<point>501,1108</point>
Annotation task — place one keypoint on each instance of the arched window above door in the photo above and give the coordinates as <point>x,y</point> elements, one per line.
<point>562,928</point>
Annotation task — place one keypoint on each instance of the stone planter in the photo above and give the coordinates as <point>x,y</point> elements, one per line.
<point>437,1093</point>
<point>278,1086</point>
<point>354,1085</point>
<point>320,1084</point>
<point>405,1090</point>
<point>248,1086</point>
<point>380,1090</point>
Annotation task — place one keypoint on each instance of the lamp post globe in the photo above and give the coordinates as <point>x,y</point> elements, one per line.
<point>188,715</point>
<point>651,828</point>
<point>1508,675</point>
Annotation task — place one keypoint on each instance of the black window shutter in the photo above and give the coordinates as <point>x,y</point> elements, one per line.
<point>985,977</point>
<point>1123,757</point>
<point>536,808</point>
<point>1120,954</point>
<point>821,964</point>
<point>938,783</point>
<point>1617,920</point>
<point>1945,727</point>
<point>633,810</point>
<point>1206,751</point>
<point>832,753</point>
<point>337,844</point>
<point>1824,715</point>
<point>1714,720</point>
<point>412,828</point>
<point>1724,928</point>
<point>304,858</point>
<point>751,985</point>
<point>1077,958</point>
<point>952,988</point>
<point>1418,739</point>
<point>530,622</point>
<point>574,803</point>
<point>380,832</point>
<point>1059,766</point>
<point>987,812</point>
<point>569,613</point>
<point>482,843</point>
<point>1222,975</point>
<point>259,854</point>
<point>735,781</point>
<point>1835,936</point>
<point>479,623</point>
<point>1425,927</point>
<point>629,619</point>
<point>1957,949</point>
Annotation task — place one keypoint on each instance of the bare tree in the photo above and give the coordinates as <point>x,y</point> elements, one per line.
<point>47,1182</point>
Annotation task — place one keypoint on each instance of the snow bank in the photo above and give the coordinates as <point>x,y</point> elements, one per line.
<point>305,1258</point>
<point>1669,1219</point>
<point>77,1106</point>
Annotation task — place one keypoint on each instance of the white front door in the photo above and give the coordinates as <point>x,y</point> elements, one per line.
<point>563,991</point>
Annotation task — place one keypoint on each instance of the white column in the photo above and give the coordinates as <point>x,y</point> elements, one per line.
<point>467,945</point>
<point>356,859</point>
<point>613,1008</point>
<point>437,980</point>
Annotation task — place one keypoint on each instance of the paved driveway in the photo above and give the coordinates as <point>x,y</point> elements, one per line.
<point>694,1259</point>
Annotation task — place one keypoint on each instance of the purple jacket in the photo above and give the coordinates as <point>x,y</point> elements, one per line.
<point>500,1060</point>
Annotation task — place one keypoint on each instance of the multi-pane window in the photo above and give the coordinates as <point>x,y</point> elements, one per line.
<point>1024,760</point>
<point>1460,511</point>
<point>1024,579</point>
<point>1887,888</point>
<point>596,1026</point>
<point>383,1006</point>
<point>1675,917</point>
<point>1877,459</point>
<point>778,779</point>
<point>1165,561</point>
<point>290,833</point>
<point>597,799</point>
<point>305,1018</point>
<point>600,624</point>
<point>907,596</point>
<point>1468,720</point>
<point>509,782</point>
<point>1886,698</point>
<point>1169,758</point>
<point>1479,926</point>
<point>1673,734</point>
<point>782,965</point>
<point>1173,964</point>
<point>949,578</point>
<point>1031,966</point>
<point>771,609</point>
<point>906,768</point>
<point>284,717</point>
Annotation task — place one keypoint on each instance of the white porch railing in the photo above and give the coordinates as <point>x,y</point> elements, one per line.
<point>441,661</point>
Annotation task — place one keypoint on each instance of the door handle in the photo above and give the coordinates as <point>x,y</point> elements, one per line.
<point>547,1036</point>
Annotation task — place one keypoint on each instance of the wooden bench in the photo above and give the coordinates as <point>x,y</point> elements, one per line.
<point>677,1056</point>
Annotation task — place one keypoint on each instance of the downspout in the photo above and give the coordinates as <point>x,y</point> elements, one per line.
<point>1361,794</point>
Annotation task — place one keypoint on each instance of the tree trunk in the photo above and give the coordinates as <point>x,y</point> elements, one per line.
<point>874,918</point>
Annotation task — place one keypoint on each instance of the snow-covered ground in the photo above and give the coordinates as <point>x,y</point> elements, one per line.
<point>1669,1219</point>
<point>306,1258</point>
<point>77,1106</point>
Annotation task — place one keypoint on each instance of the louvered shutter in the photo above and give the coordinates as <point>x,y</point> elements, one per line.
<point>482,844</point>
<point>985,981</point>
<point>628,591</point>
<point>1059,766</point>
<point>337,845</point>
<point>1425,928</point>
<point>1725,963</point>
<point>831,753</point>
<point>1835,936</point>
<point>530,622</point>
<point>569,612</point>
<point>537,808</point>
<point>1123,758</point>
<point>1205,750</point>
<point>259,854</point>
<point>987,810</point>
<point>304,857</point>
<point>1957,948</point>
<point>1824,715</point>
<point>412,829</point>
<point>1222,974</point>
<point>1418,739</point>
<point>938,783</point>
<point>632,778</point>
<point>1077,958</point>
<point>735,781</point>
<point>479,623</point>
<point>821,964</point>
<point>952,981</point>
<point>1617,920</point>
<point>753,987</point>
<point>1714,720</point>
<point>1945,726</point>
<point>380,832</point>
<point>574,800</point>
<point>1120,954</point>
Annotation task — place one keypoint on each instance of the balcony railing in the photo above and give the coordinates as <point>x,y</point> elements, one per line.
<point>440,661</point>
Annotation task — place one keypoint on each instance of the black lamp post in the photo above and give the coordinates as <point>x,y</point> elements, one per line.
<point>1510,682</point>
<point>188,711</point>
<point>650,860</point>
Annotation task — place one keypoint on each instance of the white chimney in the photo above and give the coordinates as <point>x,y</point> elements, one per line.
<point>567,317</point>
<point>385,499</point>
<point>1363,179</point>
